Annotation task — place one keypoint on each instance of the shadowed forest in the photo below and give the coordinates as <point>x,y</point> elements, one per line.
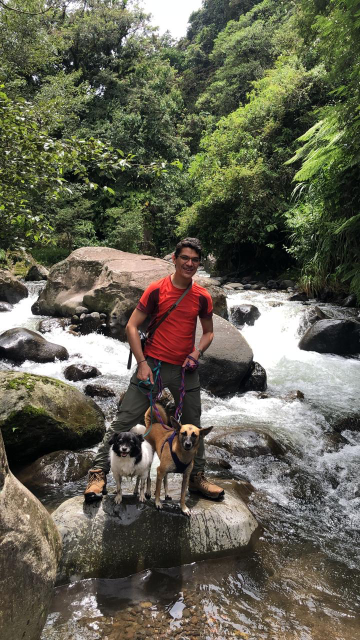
<point>245,133</point>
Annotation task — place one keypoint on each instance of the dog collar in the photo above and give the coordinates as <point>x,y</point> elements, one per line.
<point>180,466</point>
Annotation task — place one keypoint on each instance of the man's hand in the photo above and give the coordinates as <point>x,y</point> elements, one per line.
<point>191,365</point>
<point>144,372</point>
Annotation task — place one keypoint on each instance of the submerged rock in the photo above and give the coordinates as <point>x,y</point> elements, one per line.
<point>29,551</point>
<point>227,361</point>
<point>247,443</point>
<point>76,372</point>
<point>255,380</point>
<point>53,323</point>
<point>56,468</point>
<point>93,390</point>
<point>110,541</point>
<point>350,423</point>
<point>245,314</point>
<point>5,306</point>
<point>40,414</point>
<point>21,344</point>
<point>341,337</point>
<point>11,289</point>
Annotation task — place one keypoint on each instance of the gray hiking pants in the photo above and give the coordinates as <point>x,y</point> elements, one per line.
<point>135,403</point>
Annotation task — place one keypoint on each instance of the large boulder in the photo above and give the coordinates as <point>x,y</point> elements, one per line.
<point>21,344</point>
<point>30,548</point>
<point>110,541</point>
<point>227,361</point>
<point>108,281</point>
<point>40,414</point>
<point>341,337</point>
<point>11,289</point>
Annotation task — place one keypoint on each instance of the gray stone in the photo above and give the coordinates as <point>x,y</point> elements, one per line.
<point>93,390</point>
<point>109,541</point>
<point>285,284</point>
<point>37,273</point>
<point>350,301</point>
<point>21,344</point>
<point>244,442</point>
<point>53,323</point>
<point>56,468</point>
<point>255,380</point>
<point>79,310</point>
<point>226,362</point>
<point>76,372</point>
<point>341,337</point>
<point>5,306</point>
<point>299,297</point>
<point>90,323</point>
<point>30,548</point>
<point>107,280</point>
<point>11,289</point>
<point>40,414</point>
<point>244,314</point>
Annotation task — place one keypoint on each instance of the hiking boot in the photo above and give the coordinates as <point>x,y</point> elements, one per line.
<point>199,484</point>
<point>96,487</point>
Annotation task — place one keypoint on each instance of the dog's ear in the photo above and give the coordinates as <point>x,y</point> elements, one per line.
<point>140,437</point>
<point>175,424</point>
<point>113,438</point>
<point>205,432</point>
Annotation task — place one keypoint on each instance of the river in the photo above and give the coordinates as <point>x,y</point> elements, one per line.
<point>302,580</point>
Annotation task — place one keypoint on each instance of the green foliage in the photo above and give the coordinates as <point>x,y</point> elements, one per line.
<point>241,179</point>
<point>49,255</point>
<point>327,197</point>
<point>241,54</point>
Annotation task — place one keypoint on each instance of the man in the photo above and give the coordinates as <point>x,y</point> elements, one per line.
<point>172,343</point>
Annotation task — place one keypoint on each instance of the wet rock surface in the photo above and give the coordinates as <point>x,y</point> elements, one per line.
<point>243,442</point>
<point>53,323</point>
<point>93,390</point>
<point>29,550</point>
<point>255,380</point>
<point>245,314</point>
<point>76,372</point>
<point>124,538</point>
<point>23,344</point>
<point>11,289</point>
<point>5,306</point>
<point>39,415</point>
<point>57,468</point>
<point>226,362</point>
<point>341,337</point>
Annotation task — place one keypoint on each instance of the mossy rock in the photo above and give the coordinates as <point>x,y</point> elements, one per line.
<point>40,414</point>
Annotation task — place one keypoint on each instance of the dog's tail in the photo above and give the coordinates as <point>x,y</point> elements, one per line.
<point>139,429</point>
<point>162,412</point>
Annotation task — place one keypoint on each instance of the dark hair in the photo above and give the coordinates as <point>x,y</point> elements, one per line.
<point>192,243</point>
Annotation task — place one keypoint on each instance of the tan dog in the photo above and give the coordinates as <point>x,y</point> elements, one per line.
<point>176,450</point>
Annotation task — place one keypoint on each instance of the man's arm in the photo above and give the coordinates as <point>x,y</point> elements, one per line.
<point>136,319</point>
<point>205,340</point>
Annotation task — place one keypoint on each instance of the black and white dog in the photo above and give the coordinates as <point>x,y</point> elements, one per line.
<point>131,456</point>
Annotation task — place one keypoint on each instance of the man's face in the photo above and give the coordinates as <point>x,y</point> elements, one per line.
<point>187,262</point>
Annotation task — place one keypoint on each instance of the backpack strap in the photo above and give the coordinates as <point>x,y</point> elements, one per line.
<point>163,317</point>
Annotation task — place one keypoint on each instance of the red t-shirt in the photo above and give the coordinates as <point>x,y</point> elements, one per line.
<point>174,339</point>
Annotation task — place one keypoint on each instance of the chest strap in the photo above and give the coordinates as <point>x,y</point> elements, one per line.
<point>180,466</point>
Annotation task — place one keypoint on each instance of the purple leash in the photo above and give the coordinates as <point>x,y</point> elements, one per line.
<point>188,367</point>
